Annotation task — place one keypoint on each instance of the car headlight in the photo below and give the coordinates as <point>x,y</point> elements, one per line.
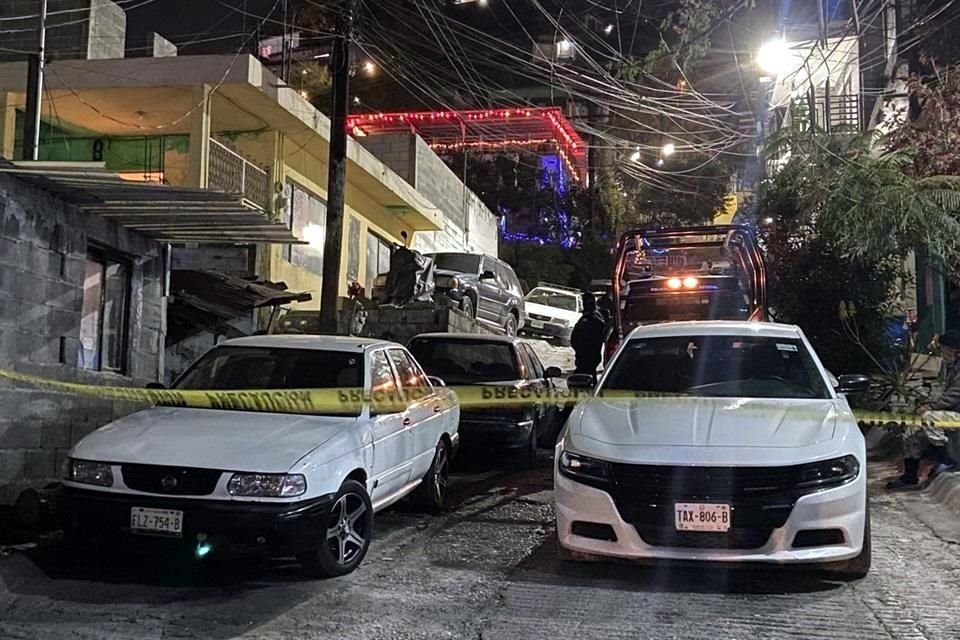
<point>267,485</point>
<point>447,282</point>
<point>584,469</point>
<point>828,473</point>
<point>86,472</point>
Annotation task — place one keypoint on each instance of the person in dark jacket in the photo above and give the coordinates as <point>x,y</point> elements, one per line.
<point>929,441</point>
<point>587,337</point>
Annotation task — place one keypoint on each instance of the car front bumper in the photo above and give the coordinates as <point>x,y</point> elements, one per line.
<point>842,508</point>
<point>284,528</point>
<point>549,330</point>
<point>491,433</point>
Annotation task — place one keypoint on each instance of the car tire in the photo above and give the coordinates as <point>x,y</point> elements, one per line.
<point>858,567</point>
<point>467,306</point>
<point>346,534</point>
<point>510,327</point>
<point>431,495</point>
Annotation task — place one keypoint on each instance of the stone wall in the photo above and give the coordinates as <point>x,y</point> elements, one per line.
<point>43,250</point>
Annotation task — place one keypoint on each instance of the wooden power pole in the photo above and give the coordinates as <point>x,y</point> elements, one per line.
<point>337,163</point>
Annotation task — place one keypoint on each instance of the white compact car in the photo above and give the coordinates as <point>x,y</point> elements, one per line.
<point>715,441</point>
<point>552,312</point>
<point>288,484</point>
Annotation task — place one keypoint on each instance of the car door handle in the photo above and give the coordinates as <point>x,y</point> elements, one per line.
<point>406,422</point>
<point>436,408</point>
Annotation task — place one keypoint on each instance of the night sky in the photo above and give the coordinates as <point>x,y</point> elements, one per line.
<point>186,21</point>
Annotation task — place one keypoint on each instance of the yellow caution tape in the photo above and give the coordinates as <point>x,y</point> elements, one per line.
<point>351,400</point>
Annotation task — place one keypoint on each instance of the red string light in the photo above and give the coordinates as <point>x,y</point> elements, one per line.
<point>570,147</point>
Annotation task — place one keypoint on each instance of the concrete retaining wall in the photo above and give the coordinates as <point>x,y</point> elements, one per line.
<point>400,325</point>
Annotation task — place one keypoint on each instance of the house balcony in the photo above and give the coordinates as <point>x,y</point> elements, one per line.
<point>229,172</point>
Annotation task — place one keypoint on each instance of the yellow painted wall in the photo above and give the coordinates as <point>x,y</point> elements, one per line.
<point>372,217</point>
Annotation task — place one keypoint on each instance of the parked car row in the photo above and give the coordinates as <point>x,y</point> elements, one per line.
<point>735,445</point>
<point>302,485</point>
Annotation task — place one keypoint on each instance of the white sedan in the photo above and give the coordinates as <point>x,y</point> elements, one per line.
<point>288,484</point>
<point>715,441</point>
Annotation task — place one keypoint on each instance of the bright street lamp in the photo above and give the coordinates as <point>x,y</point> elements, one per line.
<point>369,68</point>
<point>668,150</point>
<point>635,156</point>
<point>774,56</point>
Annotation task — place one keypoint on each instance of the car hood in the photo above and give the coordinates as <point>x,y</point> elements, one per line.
<point>210,438</point>
<point>459,274</point>
<point>698,430</point>
<point>550,312</point>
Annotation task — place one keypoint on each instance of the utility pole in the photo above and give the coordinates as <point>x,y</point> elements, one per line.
<point>31,133</point>
<point>337,164</point>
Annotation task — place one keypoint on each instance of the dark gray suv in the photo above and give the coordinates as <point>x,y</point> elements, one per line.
<point>482,286</point>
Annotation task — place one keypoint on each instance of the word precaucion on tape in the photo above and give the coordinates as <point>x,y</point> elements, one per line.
<point>352,400</point>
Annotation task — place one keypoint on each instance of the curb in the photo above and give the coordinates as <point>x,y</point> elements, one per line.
<point>945,490</point>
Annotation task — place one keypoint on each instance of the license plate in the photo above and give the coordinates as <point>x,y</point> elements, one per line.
<point>536,324</point>
<point>698,516</point>
<point>158,522</point>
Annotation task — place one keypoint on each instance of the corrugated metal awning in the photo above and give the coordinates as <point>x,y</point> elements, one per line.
<point>162,212</point>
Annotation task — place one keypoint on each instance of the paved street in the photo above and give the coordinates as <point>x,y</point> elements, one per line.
<point>487,569</point>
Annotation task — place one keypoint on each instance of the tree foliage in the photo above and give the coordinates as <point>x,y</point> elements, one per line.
<point>929,129</point>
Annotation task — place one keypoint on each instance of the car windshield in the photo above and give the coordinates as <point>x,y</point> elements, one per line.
<point>243,368</point>
<point>718,366</point>
<point>466,361</point>
<point>558,299</point>
<point>458,262</point>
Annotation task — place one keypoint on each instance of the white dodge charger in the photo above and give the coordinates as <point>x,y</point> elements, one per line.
<point>715,441</point>
<point>304,485</point>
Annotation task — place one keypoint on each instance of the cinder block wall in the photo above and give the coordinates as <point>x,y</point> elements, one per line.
<point>43,248</point>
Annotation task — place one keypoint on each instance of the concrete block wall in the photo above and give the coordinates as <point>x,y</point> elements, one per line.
<point>469,224</point>
<point>78,29</point>
<point>43,248</point>
<point>107,30</point>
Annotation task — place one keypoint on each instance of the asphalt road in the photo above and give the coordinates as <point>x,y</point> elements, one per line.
<point>487,569</point>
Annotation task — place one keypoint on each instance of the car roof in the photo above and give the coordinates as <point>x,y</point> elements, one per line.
<point>716,328</point>
<point>478,337</point>
<point>314,342</point>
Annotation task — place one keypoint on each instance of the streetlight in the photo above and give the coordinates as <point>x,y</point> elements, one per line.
<point>369,68</point>
<point>659,162</point>
<point>668,150</point>
<point>774,56</point>
<point>635,156</point>
<point>607,30</point>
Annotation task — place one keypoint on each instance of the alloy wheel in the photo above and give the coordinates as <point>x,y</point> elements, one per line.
<point>346,528</point>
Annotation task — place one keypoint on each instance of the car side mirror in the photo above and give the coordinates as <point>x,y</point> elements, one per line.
<point>581,381</point>
<point>853,384</point>
<point>552,372</point>
<point>488,275</point>
<point>155,385</point>
<point>437,382</point>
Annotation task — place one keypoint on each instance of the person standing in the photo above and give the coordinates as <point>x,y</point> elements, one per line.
<point>929,441</point>
<point>587,337</point>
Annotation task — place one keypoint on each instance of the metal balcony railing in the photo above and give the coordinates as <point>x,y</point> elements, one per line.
<point>229,172</point>
<point>844,114</point>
